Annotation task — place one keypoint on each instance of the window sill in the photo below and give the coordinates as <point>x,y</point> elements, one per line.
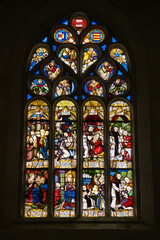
<point>109,223</point>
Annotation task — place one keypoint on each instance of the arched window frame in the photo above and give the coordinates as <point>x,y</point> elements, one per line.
<point>100,99</point>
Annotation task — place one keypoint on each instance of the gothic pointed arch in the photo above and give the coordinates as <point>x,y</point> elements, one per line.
<point>79,142</point>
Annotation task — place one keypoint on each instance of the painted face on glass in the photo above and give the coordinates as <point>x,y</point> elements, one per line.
<point>46,133</point>
<point>69,178</point>
<point>84,188</point>
<point>38,180</point>
<point>116,129</point>
<point>122,184</point>
<point>125,133</point>
<point>90,129</point>
<point>118,81</point>
<point>31,140</point>
<point>31,178</point>
<point>101,179</point>
<point>42,180</point>
<point>118,176</point>
<point>51,64</point>
<point>40,81</point>
<point>106,64</point>
<point>127,180</point>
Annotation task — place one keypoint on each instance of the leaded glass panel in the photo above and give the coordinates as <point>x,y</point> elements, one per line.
<point>79,130</point>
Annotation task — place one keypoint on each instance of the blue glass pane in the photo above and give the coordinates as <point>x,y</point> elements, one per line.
<point>104,47</point>
<point>125,66</point>
<point>129,97</point>
<point>65,22</point>
<point>37,72</point>
<point>75,97</point>
<point>85,87</point>
<point>54,48</point>
<point>32,65</point>
<point>119,171</point>
<point>45,39</point>
<point>91,74</point>
<point>113,40</point>
<point>119,73</point>
<point>83,97</point>
<point>94,23</point>
<point>29,96</point>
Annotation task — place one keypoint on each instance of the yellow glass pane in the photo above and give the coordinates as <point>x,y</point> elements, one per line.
<point>93,111</point>
<point>65,110</point>
<point>119,111</point>
<point>38,110</point>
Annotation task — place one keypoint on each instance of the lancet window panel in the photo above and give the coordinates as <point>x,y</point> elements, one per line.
<point>79,156</point>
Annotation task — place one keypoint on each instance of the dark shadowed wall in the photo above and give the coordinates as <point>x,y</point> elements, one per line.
<point>138,24</point>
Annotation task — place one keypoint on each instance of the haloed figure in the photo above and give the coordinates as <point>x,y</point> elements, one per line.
<point>69,201</point>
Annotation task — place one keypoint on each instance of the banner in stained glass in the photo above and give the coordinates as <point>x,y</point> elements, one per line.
<point>36,191</point>
<point>64,193</point>
<point>121,193</point>
<point>93,193</point>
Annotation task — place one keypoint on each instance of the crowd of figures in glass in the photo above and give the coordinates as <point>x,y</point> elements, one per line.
<point>37,135</point>
<point>37,158</point>
<point>93,193</point>
<point>79,109</point>
<point>65,193</point>
<point>65,157</point>
<point>93,138</point>
<point>36,193</point>
<point>121,193</point>
<point>121,158</point>
<point>65,135</point>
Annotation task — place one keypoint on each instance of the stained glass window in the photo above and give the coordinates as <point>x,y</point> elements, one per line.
<point>64,87</point>
<point>37,159</point>
<point>79,156</point>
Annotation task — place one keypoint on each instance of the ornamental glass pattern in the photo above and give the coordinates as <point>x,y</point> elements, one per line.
<point>79,156</point>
